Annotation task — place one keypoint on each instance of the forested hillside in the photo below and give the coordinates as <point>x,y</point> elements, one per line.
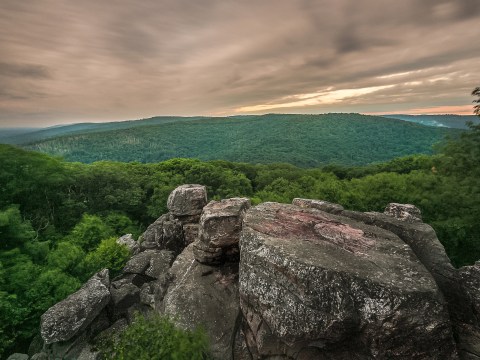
<point>302,140</point>
<point>448,121</point>
<point>59,220</point>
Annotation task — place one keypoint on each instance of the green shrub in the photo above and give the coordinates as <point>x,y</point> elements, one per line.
<point>156,338</point>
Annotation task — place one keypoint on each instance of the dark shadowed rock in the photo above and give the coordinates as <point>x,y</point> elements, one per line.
<point>316,283</point>
<point>123,295</point>
<point>128,241</point>
<point>220,227</point>
<point>187,200</point>
<point>404,212</point>
<point>191,232</point>
<point>18,356</point>
<point>139,263</point>
<point>70,316</point>
<point>318,204</point>
<point>40,356</point>
<point>206,296</point>
<point>166,233</point>
<point>152,263</point>
<point>160,262</point>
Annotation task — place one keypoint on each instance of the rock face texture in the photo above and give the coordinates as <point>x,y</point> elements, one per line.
<point>206,296</point>
<point>310,282</point>
<point>304,281</point>
<point>70,316</point>
<point>187,200</point>
<point>220,227</point>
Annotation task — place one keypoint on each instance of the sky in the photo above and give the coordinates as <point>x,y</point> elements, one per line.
<point>91,61</point>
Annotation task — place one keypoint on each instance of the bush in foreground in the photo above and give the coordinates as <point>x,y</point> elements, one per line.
<point>157,338</point>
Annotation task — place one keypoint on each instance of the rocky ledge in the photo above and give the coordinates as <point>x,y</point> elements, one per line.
<point>309,280</point>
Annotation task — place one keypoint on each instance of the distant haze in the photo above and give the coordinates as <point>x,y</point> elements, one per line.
<point>77,61</point>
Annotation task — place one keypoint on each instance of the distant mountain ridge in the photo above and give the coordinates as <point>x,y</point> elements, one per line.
<point>447,120</point>
<point>302,140</point>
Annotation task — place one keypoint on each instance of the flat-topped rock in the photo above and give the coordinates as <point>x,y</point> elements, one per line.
<point>187,200</point>
<point>317,283</point>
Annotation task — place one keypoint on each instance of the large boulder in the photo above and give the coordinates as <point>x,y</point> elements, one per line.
<point>67,318</point>
<point>205,296</point>
<point>220,227</point>
<point>187,200</point>
<point>166,233</point>
<point>317,285</point>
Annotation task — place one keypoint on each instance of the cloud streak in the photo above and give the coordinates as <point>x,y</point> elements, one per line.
<point>95,61</point>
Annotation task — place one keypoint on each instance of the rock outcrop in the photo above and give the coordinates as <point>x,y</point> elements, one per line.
<point>304,281</point>
<point>312,282</point>
<point>69,317</point>
<point>219,234</point>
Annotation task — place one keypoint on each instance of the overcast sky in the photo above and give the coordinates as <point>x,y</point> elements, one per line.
<point>91,60</point>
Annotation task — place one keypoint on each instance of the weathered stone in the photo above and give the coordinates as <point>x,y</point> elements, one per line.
<point>309,279</point>
<point>204,296</point>
<point>69,350</point>
<point>160,262</point>
<point>111,333</point>
<point>221,222</point>
<point>70,316</point>
<point>318,204</point>
<point>39,356</point>
<point>124,295</point>
<point>207,255</point>
<point>18,356</point>
<point>190,233</point>
<point>470,278</point>
<point>128,241</point>
<point>139,263</point>
<point>36,345</point>
<point>88,353</point>
<point>166,233</point>
<point>424,242</point>
<point>187,200</point>
<point>220,226</point>
<point>404,212</point>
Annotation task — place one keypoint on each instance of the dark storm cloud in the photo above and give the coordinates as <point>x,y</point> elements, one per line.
<point>24,70</point>
<point>93,60</point>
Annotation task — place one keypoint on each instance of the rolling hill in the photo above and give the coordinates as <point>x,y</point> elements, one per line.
<point>303,140</point>
<point>448,121</point>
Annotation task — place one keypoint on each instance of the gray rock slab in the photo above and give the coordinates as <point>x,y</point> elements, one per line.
<point>67,318</point>
<point>206,296</point>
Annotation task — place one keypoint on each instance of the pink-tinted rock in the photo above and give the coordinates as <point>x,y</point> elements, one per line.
<point>316,283</point>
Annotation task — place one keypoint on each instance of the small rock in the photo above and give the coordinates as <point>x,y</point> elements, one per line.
<point>404,212</point>
<point>39,356</point>
<point>190,233</point>
<point>139,263</point>
<point>187,200</point>
<point>128,241</point>
<point>122,298</point>
<point>160,262</point>
<point>318,204</point>
<point>166,233</point>
<point>18,356</point>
